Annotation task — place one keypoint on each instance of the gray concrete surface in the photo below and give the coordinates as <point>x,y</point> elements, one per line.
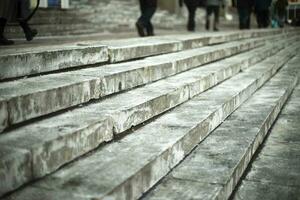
<point>275,172</point>
<point>217,163</point>
<point>127,168</point>
<point>38,96</point>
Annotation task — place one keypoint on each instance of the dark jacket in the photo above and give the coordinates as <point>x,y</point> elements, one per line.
<point>262,4</point>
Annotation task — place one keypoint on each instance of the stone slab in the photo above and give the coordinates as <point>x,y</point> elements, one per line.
<point>30,98</point>
<point>256,190</point>
<point>126,169</point>
<point>223,156</point>
<point>35,61</point>
<point>60,134</point>
<point>275,170</point>
<point>53,143</point>
<point>3,114</point>
<point>15,168</point>
<point>39,96</point>
<point>127,49</point>
<point>178,189</point>
<point>283,149</point>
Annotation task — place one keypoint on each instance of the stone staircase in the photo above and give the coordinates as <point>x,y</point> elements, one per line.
<point>149,118</point>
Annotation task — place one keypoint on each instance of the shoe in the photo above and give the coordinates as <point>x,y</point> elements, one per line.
<point>29,33</point>
<point>150,30</point>
<point>216,29</point>
<point>140,29</point>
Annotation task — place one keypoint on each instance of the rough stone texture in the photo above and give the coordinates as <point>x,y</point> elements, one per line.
<point>34,61</point>
<point>221,158</point>
<point>275,174</point>
<point>15,168</point>
<point>29,98</point>
<point>3,114</point>
<point>52,144</point>
<point>127,49</point>
<point>34,97</point>
<point>126,169</point>
<point>53,141</point>
<point>259,190</point>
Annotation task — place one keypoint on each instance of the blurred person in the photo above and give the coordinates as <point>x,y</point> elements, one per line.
<point>16,10</point>
<point>213,7</point>
<point>144,25</point>
<point>262,12</point>
<point>191,7</point>
<point>244,8</point>
<point>280,10</point>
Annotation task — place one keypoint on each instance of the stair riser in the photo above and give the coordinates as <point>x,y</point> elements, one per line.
<point>160,166</point>
<point>216,165</point>
<point>52,150</point>
<point>23,64</point>
<point>242,166</point>
<point>29,106</point>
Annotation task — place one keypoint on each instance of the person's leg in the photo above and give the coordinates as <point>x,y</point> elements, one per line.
<point>266,18</point>
<point>216,10</point>
<point>3,40</point>
<point>140,24</point>
<point>248,18</point>
<point>259,19</point>
<point>209,11</point>
<point>149,12</point>
<point>191,21</point>
<point>29,33</point>
<point>23,9</point>
<point>241,18</point>
<point>244,18</point>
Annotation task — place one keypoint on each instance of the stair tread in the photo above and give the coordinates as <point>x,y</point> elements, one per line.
<point>21,62</point>
<point>276,167</point>
<point>225,91</point>
<point>219,161</point>
<point>73,88</point>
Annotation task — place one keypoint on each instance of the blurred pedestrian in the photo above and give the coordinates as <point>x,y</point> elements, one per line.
<point>280,10</point>
<point>244,8</point>
<point>213,7</point>
<point>144,25</point>
<point>19,11</point>
<point>191,7</point>
<point>262,12</point>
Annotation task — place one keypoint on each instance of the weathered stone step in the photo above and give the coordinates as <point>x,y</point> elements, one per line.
<point>127,49</point>
<point>33,61</point>
<point>33,97</point>
<point>275,174</point>
<point>51,29</point>
<point>48,144</point>
<point>214,168</point>
<point>28,61</point>
<point>128,168</point>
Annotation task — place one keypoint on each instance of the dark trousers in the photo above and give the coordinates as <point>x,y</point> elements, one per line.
<point>23,7</point>
<point>244,18</point>
<point>148,8</point>
<point>209,11</point>
<point>262,18</point>
<point>192,7</point>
